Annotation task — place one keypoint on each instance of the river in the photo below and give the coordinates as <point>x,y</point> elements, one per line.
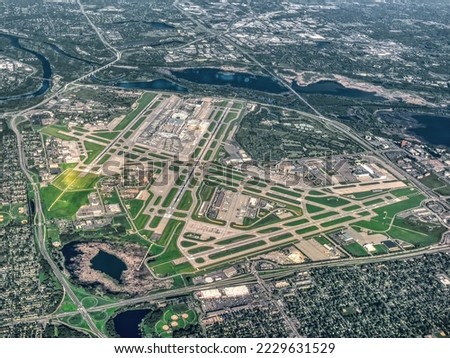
<point>46,71</point>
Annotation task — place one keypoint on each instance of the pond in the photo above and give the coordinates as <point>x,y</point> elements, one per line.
<point>127,323</point>
<point>109,264</point>
<point>104,262</point>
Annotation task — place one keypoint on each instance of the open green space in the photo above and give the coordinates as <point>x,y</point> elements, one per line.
<point>58,131</point>
<point>93,150</point>
<point>296,222</point>
<point>169,198</point>
<point>107,135</point>
<point>234,239</point>
<point>142,103</point>
<point>280,237</point>
<point>351,208</point>
<point>286,191</point>
<point>234,250</point>
<point>186,201</point>
<point>59,205</point>
<point>324,215</point>
<point>331,201</point>
<point>72,179</point>
<point>355,250</point>
<point>439,186</point>
<point>174,318</point>
<point>199,249</point>
<point>306,230</point>
<point>337,221</point>
<point>313,209</point>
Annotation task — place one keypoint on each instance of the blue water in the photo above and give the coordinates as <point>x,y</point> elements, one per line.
<point>433,129</point>
<point>46,69</point>
<point>104,262</point>
<point>161,84</point>
<point>109,264</point>
<point>218,77</point>
<point>127,323</point>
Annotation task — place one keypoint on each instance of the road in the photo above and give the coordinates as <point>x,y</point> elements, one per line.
<point>279,273</point>
<point>39,218</point>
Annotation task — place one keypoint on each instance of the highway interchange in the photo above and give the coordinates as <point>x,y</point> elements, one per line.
<point>245,279</point>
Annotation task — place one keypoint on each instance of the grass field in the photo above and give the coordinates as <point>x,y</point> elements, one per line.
<point>331,201</point>
<point>135,206</point>
<point>142,103</point>
<point>313,209</point>
<point>296,222</point>
<point>286,191</point>
<point>433,182</point>
<point>58,131</point>
<point>356,250</point>
<point>306,230</point>
<point>234,250</point>
<point>280,237</point>
<point>234,239</point>
<point>107,135</point>
<point>186,201</point>
<point>174,318</point>
<point>65,205</point>
<point>169,198</point>
<point>337,221</point>
<point>72,179</point>
<point>93,150</point>
<point>163,265</point>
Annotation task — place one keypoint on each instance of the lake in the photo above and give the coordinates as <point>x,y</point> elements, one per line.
<point>433,129</point>
<point>219,77</point>
<point>104,262</point>
<point>109,264</point>
<point>127,323</point>
<point>160,84</point>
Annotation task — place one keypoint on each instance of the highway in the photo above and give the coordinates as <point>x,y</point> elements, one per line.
<point>39,218</point>
<point>245,279</point>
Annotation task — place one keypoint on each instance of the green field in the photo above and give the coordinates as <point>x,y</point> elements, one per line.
<point>306,230</point>
<point>174,318</point>
<point>331,201</point>
<point>186,201</point>
<point>324,215</point>
<point>75,180</point>
<point>58,131</point>
<point>169,198</point>
<point>162,264</point>
<point>280,237</point>
<point>296,222</point>
<point>286,191</point>
<point>135,206</point>
<point>65,205</point>
<point>337,221</point>
<point>312,209</point>
<point>386,214</point>
<point>356,250</point>
<point>142,103</point>
<point>433,182</point>
<point>93,150</point>
<point>234,239</point>
<point>234,250</point>
<point>106,135</point>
